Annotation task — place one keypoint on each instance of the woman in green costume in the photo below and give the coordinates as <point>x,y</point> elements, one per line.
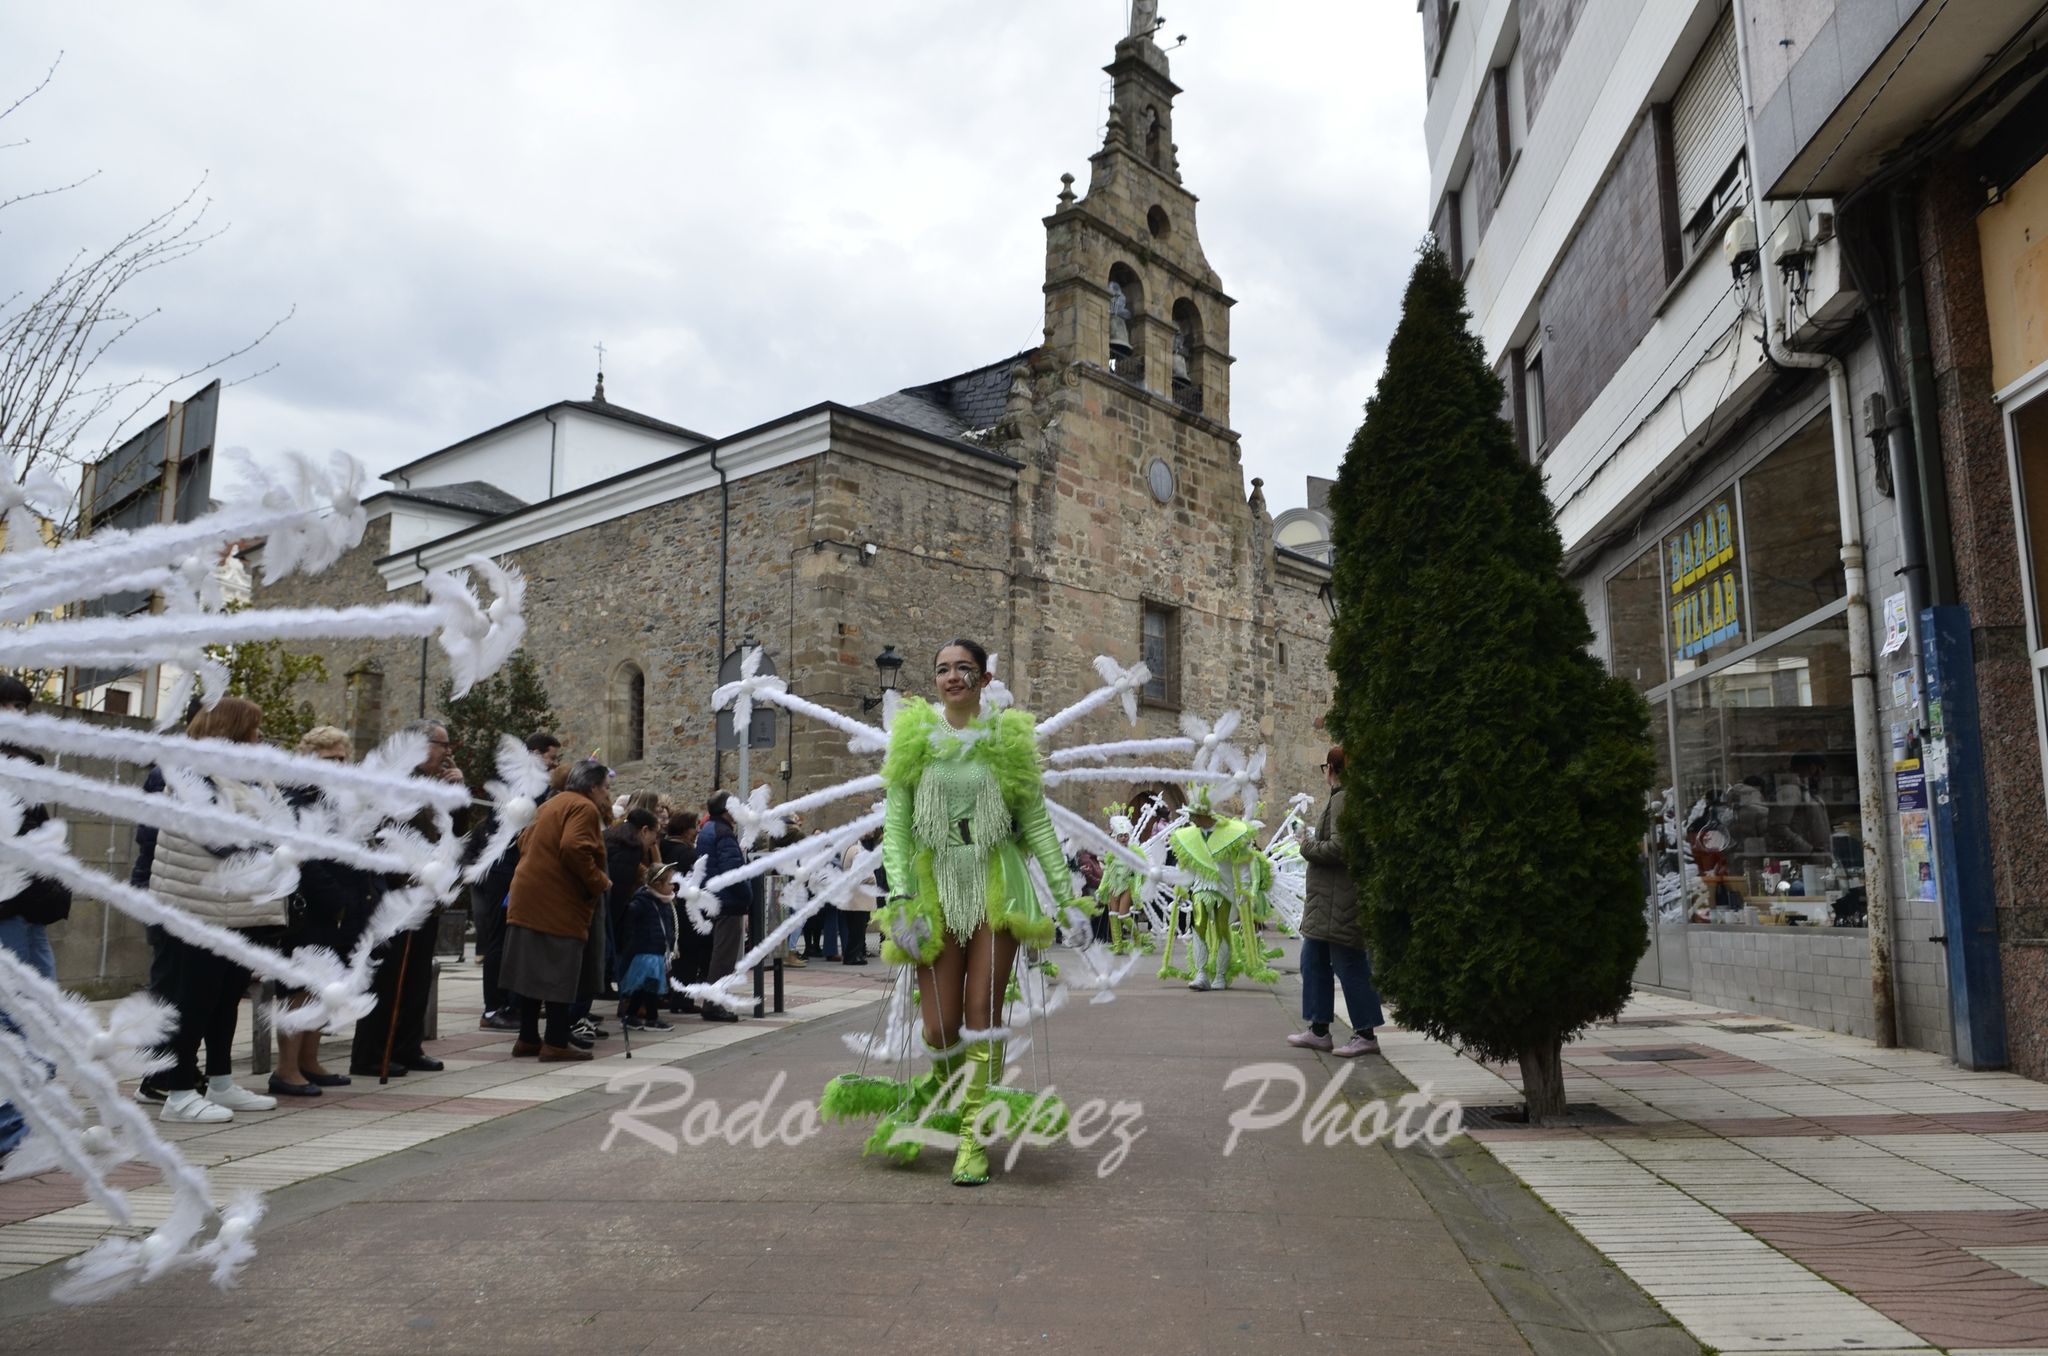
<point>964,806</point>
<point>1230,881</point>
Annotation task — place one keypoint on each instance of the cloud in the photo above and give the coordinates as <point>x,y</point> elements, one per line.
<point>753,207</point>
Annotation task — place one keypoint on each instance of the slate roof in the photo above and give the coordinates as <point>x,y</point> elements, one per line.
<point>955,406</point>
<point>468,496</point>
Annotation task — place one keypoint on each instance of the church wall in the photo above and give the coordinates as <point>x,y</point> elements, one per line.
<point>515,460</point>
<point>590,449</point>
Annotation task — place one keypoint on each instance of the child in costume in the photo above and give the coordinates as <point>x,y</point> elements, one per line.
<point>1231,877</point>
<point>964,807</point>
<point>1118,883</point>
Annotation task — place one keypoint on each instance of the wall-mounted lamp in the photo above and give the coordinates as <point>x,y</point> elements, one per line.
<point>1328,596</point>
<point>888,668</point>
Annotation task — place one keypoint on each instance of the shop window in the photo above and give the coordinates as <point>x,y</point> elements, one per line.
<point>1792,529</point>
<point>1635,622</point>
<point>1766,783</point>
<point>1159,648</point>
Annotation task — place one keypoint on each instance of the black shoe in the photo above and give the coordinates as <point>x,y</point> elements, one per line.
<point>150,1094</point>
<point>327,1080</point>
<point>686,1008</point>
<point>714,1013</point>
<point>862,960</point>
<point>580,1043</point>
<point>373,1071</point>
<point>422,1064</point>
<point>656,1024</point>
<point>280,1088</point>
<point>498,1021</point>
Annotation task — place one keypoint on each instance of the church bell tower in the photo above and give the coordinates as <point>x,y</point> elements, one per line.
<point>1127,288</point>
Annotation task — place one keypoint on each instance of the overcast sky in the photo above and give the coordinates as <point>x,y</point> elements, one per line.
<point>754,206</point>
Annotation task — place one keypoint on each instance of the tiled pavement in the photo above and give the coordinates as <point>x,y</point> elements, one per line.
<point>44,1219</point>
<point>1783,1189</point>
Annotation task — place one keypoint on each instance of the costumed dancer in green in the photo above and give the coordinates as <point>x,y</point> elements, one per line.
<point>1230,880</point>
<point>1120,885</point>
<point>964,806</point>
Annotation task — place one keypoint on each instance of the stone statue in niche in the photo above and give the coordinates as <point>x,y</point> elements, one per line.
<point>1151,121</point>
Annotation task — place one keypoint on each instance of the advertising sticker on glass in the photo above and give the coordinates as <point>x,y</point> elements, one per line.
<point>1706,583</point>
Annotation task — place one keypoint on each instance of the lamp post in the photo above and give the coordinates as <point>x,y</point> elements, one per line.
<point>888,669</point>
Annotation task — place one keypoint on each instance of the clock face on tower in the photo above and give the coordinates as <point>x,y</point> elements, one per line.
<point>1159,477</point>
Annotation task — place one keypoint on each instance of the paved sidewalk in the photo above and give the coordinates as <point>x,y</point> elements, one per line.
<point>44,1219</point>
<point>1778,1188</point>
<point>525,1233</point>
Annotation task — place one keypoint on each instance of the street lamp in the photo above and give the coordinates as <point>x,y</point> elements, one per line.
<point>1328,595</point>
<point>888,668</point>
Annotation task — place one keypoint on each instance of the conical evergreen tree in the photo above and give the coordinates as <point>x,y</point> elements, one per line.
<point>1497,773</point>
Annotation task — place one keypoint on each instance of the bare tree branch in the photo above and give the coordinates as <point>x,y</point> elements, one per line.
<point>58,408</point>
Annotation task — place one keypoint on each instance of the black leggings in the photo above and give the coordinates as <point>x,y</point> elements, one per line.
<point>557,1033</point>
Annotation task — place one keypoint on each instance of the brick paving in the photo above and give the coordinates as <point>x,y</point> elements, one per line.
<point>1787,1189</point>
<point>47,1218</point>
<point>530,1233</point>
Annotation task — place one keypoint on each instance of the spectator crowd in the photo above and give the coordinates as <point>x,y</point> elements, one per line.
<point>581,910</point>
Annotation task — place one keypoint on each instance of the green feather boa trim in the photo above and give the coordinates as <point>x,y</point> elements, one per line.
<point>861,1095</point>
<point>1010,748</point>
<point>916,921</point>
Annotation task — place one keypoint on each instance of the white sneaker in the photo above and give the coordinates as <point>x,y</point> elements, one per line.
<point>236,1098</point>
<point>189,1106</point>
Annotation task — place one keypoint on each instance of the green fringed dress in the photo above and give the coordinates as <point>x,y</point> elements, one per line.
<point>963,807</point>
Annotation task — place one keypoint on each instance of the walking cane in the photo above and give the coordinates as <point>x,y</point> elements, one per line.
<point>397,999</point>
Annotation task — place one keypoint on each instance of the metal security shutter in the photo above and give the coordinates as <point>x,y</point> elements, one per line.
<point>1706,119</point>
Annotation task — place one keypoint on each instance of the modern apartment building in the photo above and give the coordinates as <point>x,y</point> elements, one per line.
<point>1765,285</point>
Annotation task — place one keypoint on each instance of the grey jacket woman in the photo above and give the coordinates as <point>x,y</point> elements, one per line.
<point>183,869</point>
<point>1330,912</point>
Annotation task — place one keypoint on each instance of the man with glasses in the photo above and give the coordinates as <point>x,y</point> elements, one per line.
<point>405,972</point>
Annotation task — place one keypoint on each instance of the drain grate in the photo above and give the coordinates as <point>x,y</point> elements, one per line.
<point>1748,1028</point>
<point>1646,1021</point>
<point>1655,1056</point>
<point>1578,1115</point>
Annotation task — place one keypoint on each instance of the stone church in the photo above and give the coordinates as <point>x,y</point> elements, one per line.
<point>1084,496</point>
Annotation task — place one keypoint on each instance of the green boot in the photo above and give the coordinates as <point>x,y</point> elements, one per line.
<point>984,1067</point>
<point>916,1104</point>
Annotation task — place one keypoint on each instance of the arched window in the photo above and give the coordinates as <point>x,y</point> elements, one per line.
<point>626,710</point>
<point>1126,309</point>
<point>1187,350</point>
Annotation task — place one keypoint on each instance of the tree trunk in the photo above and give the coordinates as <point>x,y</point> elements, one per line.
<point>1543,1082</point>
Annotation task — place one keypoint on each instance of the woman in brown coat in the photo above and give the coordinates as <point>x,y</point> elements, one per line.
<point>555,893</point>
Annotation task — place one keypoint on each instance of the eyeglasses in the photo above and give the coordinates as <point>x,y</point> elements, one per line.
<point>442,743</point>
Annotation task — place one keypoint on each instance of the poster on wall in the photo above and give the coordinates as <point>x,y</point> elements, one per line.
<point>1894,624</point>
<point>1919,840</point>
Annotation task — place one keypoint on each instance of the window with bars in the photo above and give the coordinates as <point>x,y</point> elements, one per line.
<point>1159,648</point>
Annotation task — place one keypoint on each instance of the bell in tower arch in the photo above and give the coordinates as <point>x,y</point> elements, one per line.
<point>1119,322</point>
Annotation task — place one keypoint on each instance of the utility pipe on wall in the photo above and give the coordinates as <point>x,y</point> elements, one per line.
<point>1871,746</point>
